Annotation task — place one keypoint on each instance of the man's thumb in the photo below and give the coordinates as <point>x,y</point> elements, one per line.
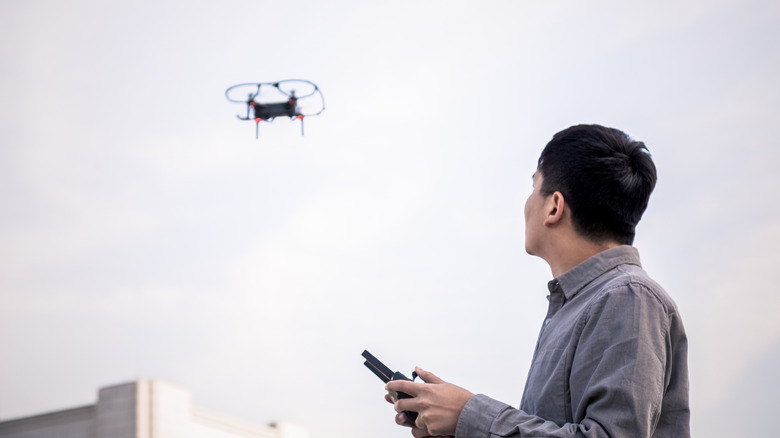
<point>427,376</point>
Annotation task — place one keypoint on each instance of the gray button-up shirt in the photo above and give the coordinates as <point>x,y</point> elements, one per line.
<point>611,361</point>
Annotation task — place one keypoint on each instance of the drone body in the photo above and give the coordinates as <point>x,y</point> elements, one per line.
<point>293,98</point>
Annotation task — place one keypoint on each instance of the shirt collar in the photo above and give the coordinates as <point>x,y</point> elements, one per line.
<point>572,281</point>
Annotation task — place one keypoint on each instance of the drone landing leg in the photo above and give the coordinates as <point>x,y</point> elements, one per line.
<point>301,119</point>
<point>257,130</point>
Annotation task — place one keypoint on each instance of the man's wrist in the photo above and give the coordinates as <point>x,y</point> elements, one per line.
<point>477,416</point>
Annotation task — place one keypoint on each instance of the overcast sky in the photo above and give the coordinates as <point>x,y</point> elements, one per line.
<point>146,233</point>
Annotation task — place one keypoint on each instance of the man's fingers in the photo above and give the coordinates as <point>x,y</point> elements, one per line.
<point>402,419</point>
<point>417,432</point>
<point>404,386</point>
<point>420,433</point>
<point>413,388</point>
<point>405,404</point>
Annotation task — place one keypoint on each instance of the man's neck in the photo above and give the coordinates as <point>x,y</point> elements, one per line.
<point>574,252</point>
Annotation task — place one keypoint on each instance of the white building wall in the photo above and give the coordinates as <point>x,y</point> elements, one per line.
<point>143,409</point>
<point>206,424</point>
<point>170,409</point>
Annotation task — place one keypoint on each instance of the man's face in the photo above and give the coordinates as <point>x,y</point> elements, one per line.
<point>534,216</point>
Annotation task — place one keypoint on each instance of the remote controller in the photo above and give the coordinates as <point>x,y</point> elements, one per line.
<point>385,374</point>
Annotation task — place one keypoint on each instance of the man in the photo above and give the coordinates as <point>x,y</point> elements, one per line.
<point>611,359</point>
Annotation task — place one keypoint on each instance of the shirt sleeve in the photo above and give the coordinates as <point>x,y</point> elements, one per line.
<point>615,384</point>
<point>484,417</point>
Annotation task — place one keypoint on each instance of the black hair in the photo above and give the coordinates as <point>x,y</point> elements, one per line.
<point>605,177</point>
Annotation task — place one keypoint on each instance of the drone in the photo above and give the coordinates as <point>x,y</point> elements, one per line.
<point>265,101</point>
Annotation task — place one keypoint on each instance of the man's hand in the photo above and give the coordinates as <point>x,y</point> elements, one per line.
<point>437,403</point>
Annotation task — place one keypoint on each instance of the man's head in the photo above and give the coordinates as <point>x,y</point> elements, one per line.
<point>605,177</point>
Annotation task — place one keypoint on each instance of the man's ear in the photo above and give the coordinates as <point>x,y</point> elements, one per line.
<point>555,205</point>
